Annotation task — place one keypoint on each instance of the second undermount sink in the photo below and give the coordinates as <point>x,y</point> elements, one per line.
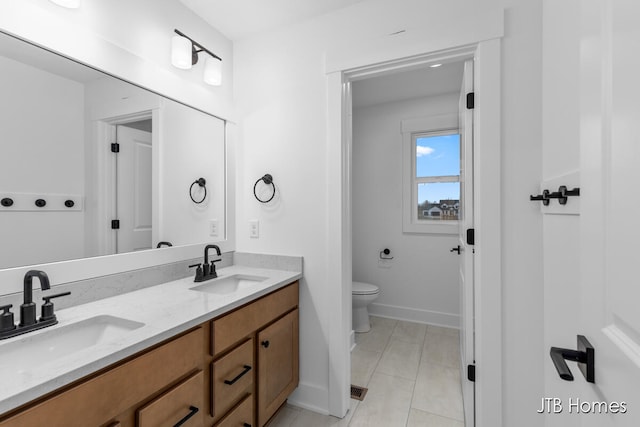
<point>47,345</point>
<point>229,284</point>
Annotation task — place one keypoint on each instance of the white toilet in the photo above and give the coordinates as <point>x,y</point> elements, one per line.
<point>362,294</point>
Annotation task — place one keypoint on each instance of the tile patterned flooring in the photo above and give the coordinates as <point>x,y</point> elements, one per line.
<point>412,372</point>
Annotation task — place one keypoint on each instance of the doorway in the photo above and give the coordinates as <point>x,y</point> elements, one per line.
<point>487,298</point>
<point>411,165</point>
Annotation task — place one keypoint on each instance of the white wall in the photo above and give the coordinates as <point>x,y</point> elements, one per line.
<point>42,122</point>
<point>421,282</point>
<point>282,104</point>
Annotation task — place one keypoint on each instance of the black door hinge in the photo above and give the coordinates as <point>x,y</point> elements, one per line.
<point>471,373</point>
<point>115,147</point>
<point>115,224</point>
<point>471,236</point>
<point>470,100</point>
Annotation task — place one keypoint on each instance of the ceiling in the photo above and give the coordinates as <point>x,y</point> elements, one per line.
<point>238,19</point>
<point>417,83</point>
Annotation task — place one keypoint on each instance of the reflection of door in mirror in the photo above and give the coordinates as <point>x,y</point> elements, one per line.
<point>133,186</point>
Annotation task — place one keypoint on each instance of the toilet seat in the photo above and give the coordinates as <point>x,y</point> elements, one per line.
<point>360,288</point>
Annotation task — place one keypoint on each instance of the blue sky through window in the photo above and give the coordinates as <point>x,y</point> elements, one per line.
<point>438,156</point>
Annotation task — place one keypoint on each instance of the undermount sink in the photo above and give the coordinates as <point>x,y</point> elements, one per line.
<point>229,284</point>
<point>47,345</point>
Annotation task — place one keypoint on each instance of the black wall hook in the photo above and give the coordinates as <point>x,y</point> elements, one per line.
<point>562,195</point>
<point>268,180</point>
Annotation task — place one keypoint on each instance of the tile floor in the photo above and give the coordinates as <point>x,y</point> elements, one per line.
<point>412,372</point>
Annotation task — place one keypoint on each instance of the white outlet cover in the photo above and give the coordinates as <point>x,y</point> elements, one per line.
<point>213,227</point>
<point>254,229</point>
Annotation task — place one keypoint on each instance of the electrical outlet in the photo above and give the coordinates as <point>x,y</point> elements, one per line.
<point>254,229</point>
<point>213,227</point>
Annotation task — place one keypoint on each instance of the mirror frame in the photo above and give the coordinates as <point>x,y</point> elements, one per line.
<point>130,69</point>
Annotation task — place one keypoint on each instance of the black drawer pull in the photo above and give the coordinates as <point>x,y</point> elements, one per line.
<point>247,368</point>
<point>246,425</point>
<point>193,410</point>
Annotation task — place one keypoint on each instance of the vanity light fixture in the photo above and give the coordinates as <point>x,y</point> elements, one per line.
<point>184,55</point>
<point>69,4</point>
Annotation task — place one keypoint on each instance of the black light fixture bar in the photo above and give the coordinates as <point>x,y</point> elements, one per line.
<point>196,44</point>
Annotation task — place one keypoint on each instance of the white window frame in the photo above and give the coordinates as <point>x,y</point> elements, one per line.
<point>432,125</point>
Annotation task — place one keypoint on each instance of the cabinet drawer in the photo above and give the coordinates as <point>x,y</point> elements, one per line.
<point>183,401</point>
<point>232,378</point>
<point>242,415</point>
<point>233,327</point>
<point>107,395</point>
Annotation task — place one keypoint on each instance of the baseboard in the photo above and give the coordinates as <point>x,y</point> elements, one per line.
<point>353,339</point>
<point>310,397</point>
<point>435,318</point>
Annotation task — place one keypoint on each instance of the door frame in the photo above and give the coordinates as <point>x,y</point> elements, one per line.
<point>487,170</point>
<point>105,176</point>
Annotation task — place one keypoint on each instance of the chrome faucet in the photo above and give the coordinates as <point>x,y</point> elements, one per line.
<point>28,320</point>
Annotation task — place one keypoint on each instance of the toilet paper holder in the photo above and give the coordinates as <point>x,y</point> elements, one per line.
<point>384,254</point>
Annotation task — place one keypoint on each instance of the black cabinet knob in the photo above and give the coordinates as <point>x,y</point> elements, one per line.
<point>265,343</point>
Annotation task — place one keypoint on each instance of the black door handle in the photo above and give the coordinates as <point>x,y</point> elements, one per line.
<point>456,249</point>
<point>585,356</point>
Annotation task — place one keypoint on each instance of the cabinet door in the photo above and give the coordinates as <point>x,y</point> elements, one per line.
<point>277,364</point>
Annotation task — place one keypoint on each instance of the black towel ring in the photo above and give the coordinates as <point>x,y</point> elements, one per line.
<point>202,183</point>
<point>267,179</point>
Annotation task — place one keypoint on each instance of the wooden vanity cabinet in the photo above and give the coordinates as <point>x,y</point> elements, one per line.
<point>219,374</point>
<point>114,396</point>
<point>269,327</point>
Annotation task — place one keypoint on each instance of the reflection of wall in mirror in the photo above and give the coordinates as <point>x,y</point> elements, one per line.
<point>53,122</point>
<point>42,122</point>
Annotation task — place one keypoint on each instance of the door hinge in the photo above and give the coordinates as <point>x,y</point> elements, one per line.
<point>470,100</point>
<point>115,224</point>
<point>471,373</point>
<point>471,236</point>
<point>115,147</point>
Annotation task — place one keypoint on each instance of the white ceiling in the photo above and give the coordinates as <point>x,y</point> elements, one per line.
<point>237,19</point>
<point>401,86</point>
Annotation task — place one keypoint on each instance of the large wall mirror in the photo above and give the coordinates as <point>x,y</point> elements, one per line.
<point>68,193</point>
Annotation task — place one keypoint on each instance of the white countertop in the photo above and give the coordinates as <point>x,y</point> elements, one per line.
<point>165,310</point>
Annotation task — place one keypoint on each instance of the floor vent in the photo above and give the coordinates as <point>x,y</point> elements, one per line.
<point>358,392</point>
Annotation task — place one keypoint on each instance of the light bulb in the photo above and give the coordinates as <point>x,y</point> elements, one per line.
<point>213,71</point>
<point>181,52</point>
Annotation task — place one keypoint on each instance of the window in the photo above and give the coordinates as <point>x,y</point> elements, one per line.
<point>431,175</point>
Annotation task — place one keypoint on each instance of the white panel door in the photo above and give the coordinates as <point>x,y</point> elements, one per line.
<point>134,199</point>
<point>610,149</point>
<point>467,356</point>
<point>608,294</point>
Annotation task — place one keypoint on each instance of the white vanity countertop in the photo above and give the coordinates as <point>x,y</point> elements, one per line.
<point>165,310</point>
